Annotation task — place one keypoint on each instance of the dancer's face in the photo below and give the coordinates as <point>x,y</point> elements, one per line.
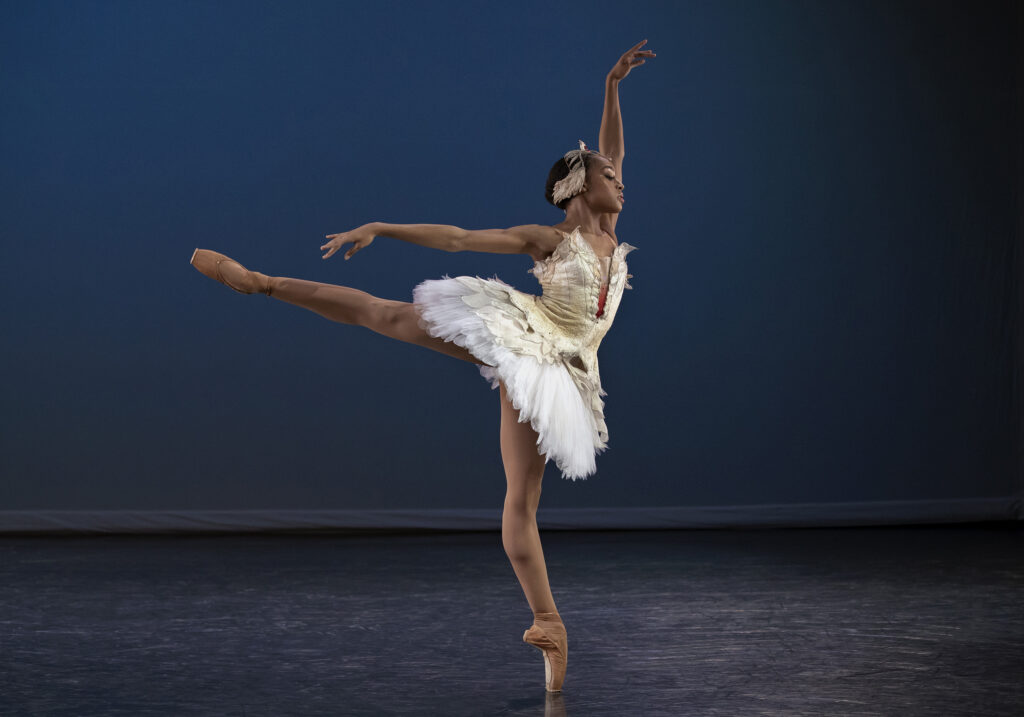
<point>603,187</point>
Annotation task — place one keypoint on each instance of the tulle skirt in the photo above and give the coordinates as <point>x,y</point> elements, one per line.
<point>480,315</point>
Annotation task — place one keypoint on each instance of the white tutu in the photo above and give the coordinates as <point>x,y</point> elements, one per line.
<point>482,316</point>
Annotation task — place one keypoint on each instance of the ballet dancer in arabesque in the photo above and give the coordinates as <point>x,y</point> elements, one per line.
<point>539,351</point>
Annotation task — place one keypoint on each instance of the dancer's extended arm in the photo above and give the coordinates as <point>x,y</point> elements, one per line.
<point>514,240</point>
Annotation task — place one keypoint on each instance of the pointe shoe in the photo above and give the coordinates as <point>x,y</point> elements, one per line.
<point>548,634</point>
<point>212,264</point>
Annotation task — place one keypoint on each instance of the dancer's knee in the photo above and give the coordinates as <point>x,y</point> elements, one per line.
<point>401,320</point>
<point>521,502</point>
<point>518,532</point>
<point>387,317</point>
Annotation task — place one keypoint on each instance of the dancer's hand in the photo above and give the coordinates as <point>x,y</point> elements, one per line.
<point>634,57</point>
<point>360,238</point>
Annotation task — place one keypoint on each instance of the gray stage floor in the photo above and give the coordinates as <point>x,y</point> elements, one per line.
<point>870,621</point>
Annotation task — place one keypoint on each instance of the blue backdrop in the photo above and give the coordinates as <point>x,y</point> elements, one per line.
<point>825,197</point>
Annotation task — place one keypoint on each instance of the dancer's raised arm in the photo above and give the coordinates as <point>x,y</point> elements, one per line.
<point>610,140</point>
<point>514,240</point>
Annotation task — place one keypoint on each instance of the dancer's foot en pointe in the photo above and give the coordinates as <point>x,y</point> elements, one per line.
<point>548,634</point>
<point>229,272</point>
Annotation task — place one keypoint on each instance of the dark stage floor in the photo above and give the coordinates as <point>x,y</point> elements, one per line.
<point>869,621</point>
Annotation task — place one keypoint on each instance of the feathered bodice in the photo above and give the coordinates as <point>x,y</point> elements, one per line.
<point>572,279</point>
<point>565,315</point>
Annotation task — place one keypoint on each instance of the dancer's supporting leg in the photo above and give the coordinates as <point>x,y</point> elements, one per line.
<point>524,470</point>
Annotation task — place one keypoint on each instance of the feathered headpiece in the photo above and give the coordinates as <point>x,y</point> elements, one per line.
<point>572,183</point>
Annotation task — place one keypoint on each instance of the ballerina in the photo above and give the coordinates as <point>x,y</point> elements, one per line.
<point>539,351</point>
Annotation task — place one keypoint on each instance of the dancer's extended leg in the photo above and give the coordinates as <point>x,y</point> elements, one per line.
<point>395,319</point>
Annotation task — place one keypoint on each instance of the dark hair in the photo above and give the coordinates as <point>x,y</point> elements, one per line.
<point>560,170</point>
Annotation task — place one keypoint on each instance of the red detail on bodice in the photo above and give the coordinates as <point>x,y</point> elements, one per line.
<point>600,300</point>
